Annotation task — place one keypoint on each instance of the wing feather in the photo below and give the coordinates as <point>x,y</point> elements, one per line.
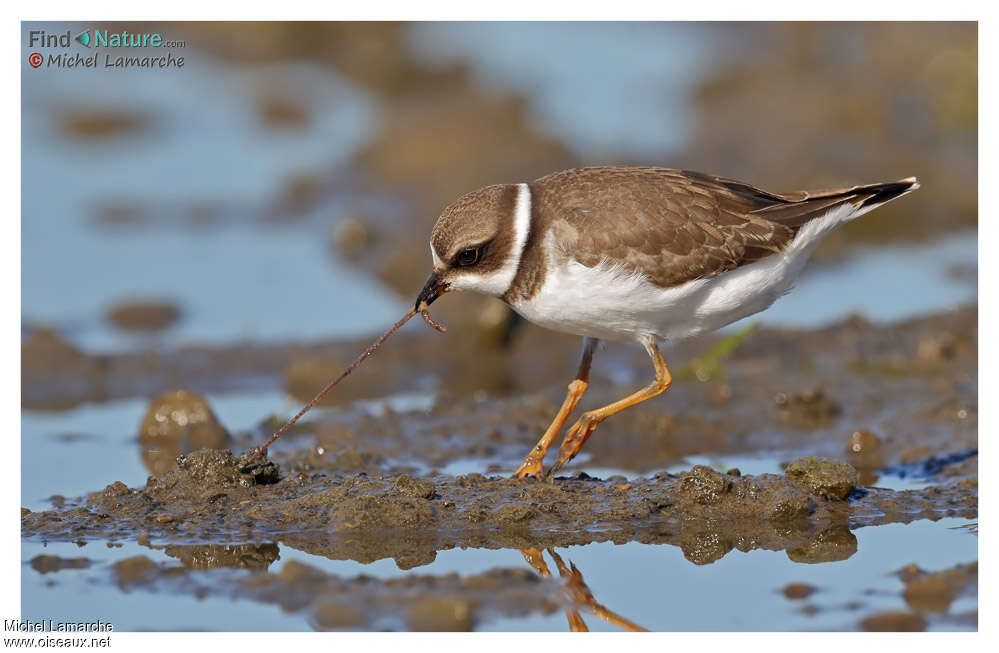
<point>674,226</point>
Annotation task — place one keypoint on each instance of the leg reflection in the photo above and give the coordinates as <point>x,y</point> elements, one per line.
<point>579,592</point>
<point>536,559</point>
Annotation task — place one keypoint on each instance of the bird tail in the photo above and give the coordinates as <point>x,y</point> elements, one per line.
<point>796,209</point>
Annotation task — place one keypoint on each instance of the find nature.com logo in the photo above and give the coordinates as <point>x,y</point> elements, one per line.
<point>154,45</point>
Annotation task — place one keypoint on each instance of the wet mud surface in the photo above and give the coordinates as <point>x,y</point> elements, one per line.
<point>215,496</point>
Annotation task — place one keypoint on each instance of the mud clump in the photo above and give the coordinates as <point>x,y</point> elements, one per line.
<point>143,315</point>
<point>829,479</point>
<point>217,469</point>
<point>810,409</point>
<point>865,450</point>
<point>764,497</point>
<point>204,484</point>
<point>45,564</point>
<point>893,622</point>
<point>704,485</point>
<point>418,488</point>
<point>789,505</point>
<point>178,422</point>
<point>798,591</point>
<point>182,416</point>
<point>116,489</point>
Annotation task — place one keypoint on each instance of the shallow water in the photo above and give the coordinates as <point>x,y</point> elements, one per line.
<point>653,586</point>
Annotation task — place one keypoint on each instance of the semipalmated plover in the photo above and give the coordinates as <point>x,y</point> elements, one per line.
<point>636,254</point>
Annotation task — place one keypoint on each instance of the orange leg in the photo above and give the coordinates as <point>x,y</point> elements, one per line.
<point>582,429</point>
<point>532,465</point>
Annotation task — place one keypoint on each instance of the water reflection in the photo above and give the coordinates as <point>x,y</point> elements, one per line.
<point>579,593</point>
<point>214,556</point>
<point>919,568</point>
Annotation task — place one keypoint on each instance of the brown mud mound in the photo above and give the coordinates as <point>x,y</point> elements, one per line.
<point>828,478</point>
<point>214,496</point>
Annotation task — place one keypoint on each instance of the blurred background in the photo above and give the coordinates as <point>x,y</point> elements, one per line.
<point>282,184</point>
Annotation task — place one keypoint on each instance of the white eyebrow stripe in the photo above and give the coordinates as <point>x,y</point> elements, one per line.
<point>438,263</point>
<point>499,281</point>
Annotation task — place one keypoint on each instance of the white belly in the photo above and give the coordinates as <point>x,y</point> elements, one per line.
<point>613,303</point>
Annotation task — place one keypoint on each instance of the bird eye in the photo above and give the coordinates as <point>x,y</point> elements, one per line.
<point>468,257</point>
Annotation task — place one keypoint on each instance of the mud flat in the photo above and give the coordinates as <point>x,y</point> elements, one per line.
<point>215,496</point>
<point>865,425</point>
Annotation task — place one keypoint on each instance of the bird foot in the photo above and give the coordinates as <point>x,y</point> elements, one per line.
<point>574,441</point>
<point>530,467</point>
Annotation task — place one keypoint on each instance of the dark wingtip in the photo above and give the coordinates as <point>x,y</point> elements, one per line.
<point>882,193</point>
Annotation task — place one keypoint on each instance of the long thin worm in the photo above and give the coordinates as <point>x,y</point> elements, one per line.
<point>421,309</point>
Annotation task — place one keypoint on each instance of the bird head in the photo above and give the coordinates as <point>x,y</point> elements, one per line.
<point>477,242</point>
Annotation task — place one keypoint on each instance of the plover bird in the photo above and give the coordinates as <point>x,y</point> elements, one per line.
<point>635,254</point>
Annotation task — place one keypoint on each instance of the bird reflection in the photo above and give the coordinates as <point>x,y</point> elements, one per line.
<point>579,593</point>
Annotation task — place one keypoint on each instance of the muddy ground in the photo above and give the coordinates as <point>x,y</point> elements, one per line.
<point>846,408</point>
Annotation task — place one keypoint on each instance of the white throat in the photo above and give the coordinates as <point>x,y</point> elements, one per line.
<point>496,283</point>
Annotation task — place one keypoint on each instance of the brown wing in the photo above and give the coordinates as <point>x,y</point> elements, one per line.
<point>675,225</point>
